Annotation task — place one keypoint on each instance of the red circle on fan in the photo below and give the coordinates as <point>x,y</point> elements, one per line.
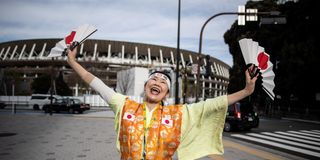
<point>129,116</point>
<point>167,121</point>
<point>263,59</point>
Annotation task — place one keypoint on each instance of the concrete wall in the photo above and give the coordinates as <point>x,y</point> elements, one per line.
<point>131,81</point>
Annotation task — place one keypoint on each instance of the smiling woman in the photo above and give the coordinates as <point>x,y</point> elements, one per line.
<point>150,130</point>
<point>157,88</point>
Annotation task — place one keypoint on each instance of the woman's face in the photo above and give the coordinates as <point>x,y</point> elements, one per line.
<point>156,89</point>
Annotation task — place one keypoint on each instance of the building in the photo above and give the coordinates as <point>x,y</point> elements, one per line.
<point>27,59</point>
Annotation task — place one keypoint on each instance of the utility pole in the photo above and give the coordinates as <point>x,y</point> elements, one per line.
<point>177,100</point>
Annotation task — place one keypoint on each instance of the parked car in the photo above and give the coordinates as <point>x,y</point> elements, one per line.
<point>37,101</point>
<point>241,116</point>
<point>72,105</point>
<point>2,105</point>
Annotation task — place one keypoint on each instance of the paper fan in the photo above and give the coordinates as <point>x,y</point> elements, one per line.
<point>78,35</point>
<point>255,54</point>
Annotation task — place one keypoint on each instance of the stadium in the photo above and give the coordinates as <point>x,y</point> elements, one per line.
<point>26,60</point>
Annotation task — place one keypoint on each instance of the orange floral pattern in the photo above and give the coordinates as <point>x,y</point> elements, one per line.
<point>163,136</point>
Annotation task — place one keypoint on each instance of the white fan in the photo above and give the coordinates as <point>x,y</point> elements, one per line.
<point>255,54</point>
<point>78,35</point>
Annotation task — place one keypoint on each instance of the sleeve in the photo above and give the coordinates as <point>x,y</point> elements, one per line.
<point>116,103</point>
<point>115,100</point>
<point>105,92</point>
<point>202,127</point>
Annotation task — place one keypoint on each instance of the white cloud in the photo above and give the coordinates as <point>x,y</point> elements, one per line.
<point>145,21</point>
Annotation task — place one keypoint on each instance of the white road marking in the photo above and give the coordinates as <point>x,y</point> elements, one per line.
<point>299,136</point>
<point>279,145</point>
<point>306,134</point>
<point>312,132</point>
<point>291,138</point>
<point>285,141</point>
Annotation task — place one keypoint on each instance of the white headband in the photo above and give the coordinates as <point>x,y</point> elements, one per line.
<point>163,76</point>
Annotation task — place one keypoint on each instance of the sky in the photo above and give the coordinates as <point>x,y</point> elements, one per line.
<point>143,21</point>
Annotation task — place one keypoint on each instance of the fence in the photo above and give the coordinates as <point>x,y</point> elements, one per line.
<point>23,101</point>
<point>93,100</point>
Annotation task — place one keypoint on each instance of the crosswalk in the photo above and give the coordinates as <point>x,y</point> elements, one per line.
<point>305,142</point>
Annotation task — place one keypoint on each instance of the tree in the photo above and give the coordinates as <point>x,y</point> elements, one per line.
<point>293,49</point>
<point>62,87</point>
<point>42,85</point>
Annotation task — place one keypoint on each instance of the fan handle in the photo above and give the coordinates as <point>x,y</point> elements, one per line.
<point>254,71</point>
<point>72,47</point>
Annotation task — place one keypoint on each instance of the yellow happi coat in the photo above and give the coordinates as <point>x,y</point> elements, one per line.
<point>201,125</point>
<point>159,140</point>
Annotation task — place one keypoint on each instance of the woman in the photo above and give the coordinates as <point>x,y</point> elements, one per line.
<point>153,131</point>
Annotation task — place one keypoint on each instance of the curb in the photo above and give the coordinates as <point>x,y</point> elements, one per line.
<point>99,114</point>
<point>301,120</point>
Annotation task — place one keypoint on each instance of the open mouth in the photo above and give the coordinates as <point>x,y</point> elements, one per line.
<point>155,90</point>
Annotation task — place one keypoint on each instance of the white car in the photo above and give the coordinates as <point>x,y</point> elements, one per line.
<point>37,101</point>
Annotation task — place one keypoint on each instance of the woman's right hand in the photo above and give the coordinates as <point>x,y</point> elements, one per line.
<point>82,72</point>
<point>71,53</point>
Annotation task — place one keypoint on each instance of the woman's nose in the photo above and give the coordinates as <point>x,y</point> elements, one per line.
<point>157,83</point>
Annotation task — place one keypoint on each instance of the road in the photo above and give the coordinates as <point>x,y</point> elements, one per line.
<point>286,136</point>
<point>34,135</point>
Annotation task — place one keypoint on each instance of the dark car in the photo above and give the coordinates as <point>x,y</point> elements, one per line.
<point>72,105</point>
<point>241,116</point>
<point>2,105</point>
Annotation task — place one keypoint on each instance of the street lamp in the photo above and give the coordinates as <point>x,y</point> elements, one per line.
<point>243,15</point>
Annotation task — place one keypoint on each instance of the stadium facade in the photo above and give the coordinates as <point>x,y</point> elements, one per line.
<point>26,60</point>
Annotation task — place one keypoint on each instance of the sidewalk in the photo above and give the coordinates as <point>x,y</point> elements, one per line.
<point>97,114</point>
<point>89,136</point>
<point>233,151</point>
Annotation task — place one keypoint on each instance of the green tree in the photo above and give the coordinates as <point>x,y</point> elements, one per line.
<point>293,49</point>
<point>62,87</point>
<point>42,85</point>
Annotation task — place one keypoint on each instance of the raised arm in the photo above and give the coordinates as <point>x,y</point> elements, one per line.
<point>248,89</point>
<point>83,73</point>
<point>94,82</point>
